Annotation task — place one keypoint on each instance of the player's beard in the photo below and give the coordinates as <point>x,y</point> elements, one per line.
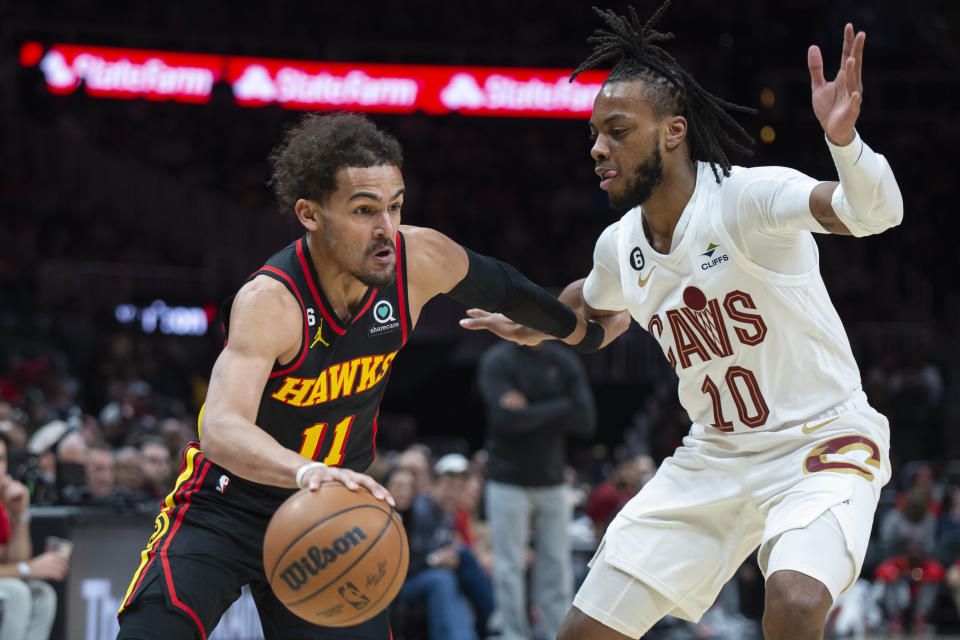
<point>355,265</point>
<point>646,178</point>
<point>379,279</point>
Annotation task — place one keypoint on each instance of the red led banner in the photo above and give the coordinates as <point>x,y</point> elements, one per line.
<point>297,84</point>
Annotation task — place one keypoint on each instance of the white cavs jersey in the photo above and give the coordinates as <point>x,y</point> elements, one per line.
<point>782,432</point>
<point>755,350</point>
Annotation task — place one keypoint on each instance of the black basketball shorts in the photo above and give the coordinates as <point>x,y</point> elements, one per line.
<point>207,543</point>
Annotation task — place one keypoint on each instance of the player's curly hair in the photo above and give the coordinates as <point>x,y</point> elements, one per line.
<point>305,164</point>
<point>712,133</point>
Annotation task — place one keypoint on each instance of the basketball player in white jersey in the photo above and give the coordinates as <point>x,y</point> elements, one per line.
<point>719,264</point>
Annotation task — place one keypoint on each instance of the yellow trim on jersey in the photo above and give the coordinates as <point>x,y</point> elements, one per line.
<point>161,524</point>
<point>200,418</point>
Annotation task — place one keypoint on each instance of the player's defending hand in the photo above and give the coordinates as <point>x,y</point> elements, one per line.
<point>497,323</point>
<point>837,103</point>
<point>352,480</point>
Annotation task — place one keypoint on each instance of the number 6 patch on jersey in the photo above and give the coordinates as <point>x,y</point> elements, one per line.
<point>837,455</point>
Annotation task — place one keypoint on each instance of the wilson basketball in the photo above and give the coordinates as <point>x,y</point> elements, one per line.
<point>335,557</point>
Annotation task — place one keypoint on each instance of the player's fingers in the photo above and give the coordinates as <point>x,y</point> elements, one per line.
<point>478,313</point>
<point>858,57</point>
<point>376,489</point>
<point>847,43</point>
<point>849,73</point>
<point>815,64</point>
<point>348,479</point>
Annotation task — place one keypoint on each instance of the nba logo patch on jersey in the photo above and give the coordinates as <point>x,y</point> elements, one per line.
<point>222,483</point>
<point>386,320</point>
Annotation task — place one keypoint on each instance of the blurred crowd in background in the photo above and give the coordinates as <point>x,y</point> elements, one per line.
<point>107,203</point>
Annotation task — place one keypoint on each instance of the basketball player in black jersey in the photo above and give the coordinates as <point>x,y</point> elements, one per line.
<point>294,395</point>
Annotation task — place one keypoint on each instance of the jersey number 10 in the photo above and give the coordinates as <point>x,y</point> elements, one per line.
<point>752,418</point>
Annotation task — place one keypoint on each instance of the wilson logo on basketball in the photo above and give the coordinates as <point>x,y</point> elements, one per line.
<point>316,560</point>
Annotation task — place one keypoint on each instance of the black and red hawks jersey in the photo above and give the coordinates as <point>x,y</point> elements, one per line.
<point>324,403</point>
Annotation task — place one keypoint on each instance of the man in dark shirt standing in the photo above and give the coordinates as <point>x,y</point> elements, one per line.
<point>535,397</point>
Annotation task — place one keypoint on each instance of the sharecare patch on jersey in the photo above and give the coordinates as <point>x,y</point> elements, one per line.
<point>337,381</point>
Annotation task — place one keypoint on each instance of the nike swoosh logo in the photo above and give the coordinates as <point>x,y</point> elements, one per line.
<point>643,281</point>
<point>807,429</point>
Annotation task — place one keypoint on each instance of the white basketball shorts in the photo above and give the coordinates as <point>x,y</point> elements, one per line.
<point>721,495</point>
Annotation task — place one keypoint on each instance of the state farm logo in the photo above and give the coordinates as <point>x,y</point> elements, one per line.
<point>255,84</point>
<point>152,76</point>
<point>291,85</point>
<point>463,92</point>
<point>503,92</point>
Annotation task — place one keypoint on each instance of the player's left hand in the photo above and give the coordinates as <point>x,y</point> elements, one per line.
<point>837,103</point>
<point>352,480</point>
<point>502,326</point>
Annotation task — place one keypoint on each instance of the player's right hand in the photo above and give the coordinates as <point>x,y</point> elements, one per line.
<point>49,566</point>
<point>352,480</point>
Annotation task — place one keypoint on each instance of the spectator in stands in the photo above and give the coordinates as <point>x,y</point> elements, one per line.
<point>911,581</point>
<point>72,448</point>
<point>535,398</point>
<point>416,458</point>
<point>100,468</point>
<point>912,520</point>
<point>72,467</point>
<point>126,473</point>
<point>154,466</point>
<point>176,434</point>
<point>443,571</point>
<point>401,484</point>
<point>28,604</point>
<point>609,496</point>
<point>39,473</point>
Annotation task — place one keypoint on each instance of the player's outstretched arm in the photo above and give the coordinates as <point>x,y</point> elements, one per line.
<point>438,265</point>
<point>614,323</point>
<point>867,199</point>
<point>266,325</point>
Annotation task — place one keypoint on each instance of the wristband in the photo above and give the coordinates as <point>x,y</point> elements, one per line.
<point>592,339</point>
<point>24,569</point>
<point>24,518</point>
<point>302,471</point>
<point>868,200</point>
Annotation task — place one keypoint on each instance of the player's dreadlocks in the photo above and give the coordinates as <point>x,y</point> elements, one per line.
<point>712,133</point>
